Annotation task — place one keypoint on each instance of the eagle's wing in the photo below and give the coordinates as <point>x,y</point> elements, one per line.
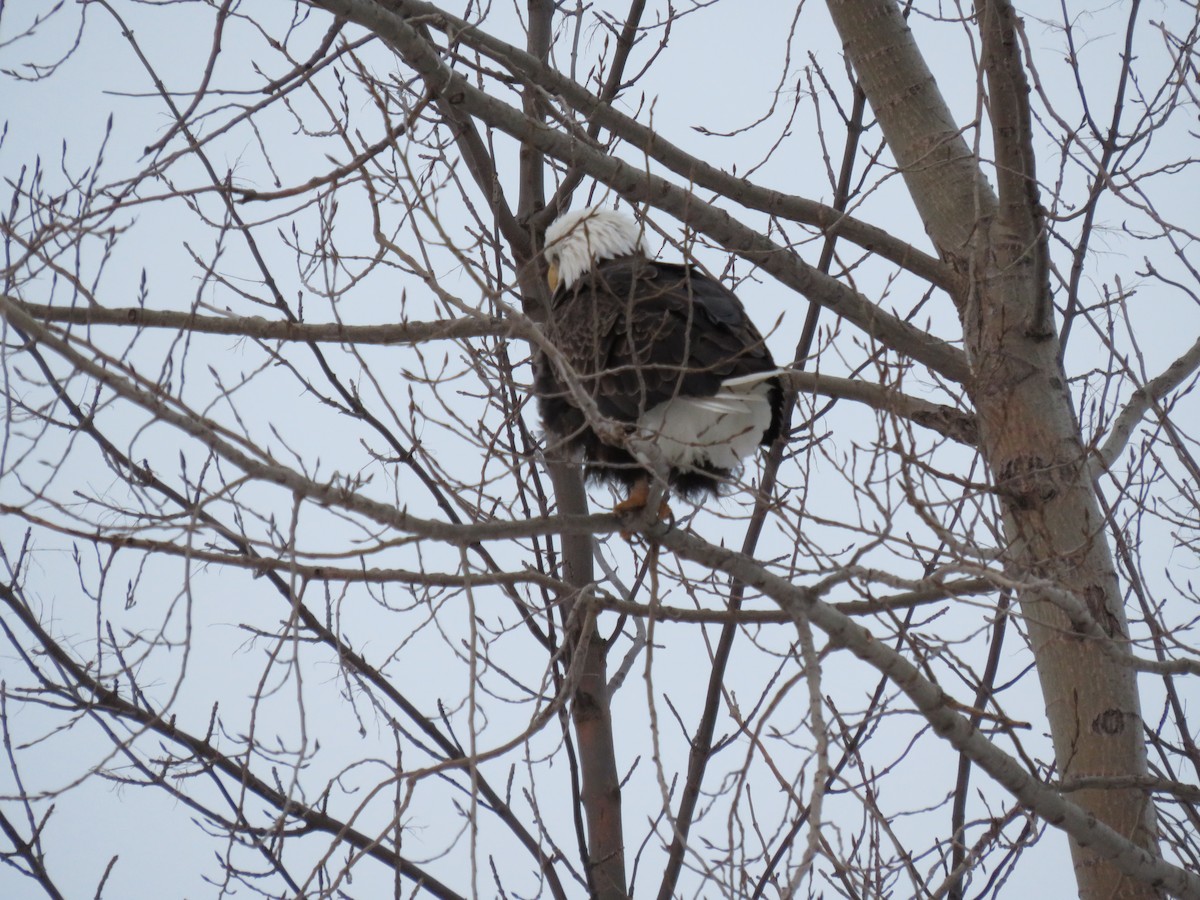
<point>679,334</point>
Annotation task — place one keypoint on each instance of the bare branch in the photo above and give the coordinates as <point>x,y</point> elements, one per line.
<point>951,726</point>
<point>638,186</point>
<point>1144,399</point>
<point>270,330</point>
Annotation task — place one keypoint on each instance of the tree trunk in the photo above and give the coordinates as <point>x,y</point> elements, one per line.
<point>1029,435</point>
<point>600,788</point>
<point>590,713</point>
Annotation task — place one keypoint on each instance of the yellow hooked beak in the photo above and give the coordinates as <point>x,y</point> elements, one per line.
<point>552,277</point>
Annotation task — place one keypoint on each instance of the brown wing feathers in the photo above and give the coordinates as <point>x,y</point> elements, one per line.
<point>639,333</point>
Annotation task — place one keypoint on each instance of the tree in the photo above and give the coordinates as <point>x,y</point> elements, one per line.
<point>290,573</point>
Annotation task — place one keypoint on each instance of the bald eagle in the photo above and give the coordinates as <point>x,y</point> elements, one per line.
<point>661,348</point>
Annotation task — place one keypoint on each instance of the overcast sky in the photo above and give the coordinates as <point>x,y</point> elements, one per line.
<point>720,73</point>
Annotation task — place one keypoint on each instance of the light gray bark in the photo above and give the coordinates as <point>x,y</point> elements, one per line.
<point>1028,432</point>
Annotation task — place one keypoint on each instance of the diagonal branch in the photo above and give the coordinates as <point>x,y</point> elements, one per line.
<point>953,727</point>
<point>101,697</point>
<point>340,645</point>
<point>600,112</point>
<point>1143,400</point>
<point>257,464</point>
<point>945,420</point>
<point>639,186</point>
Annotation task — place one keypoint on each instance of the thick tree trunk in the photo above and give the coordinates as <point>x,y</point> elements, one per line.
<point>1028,432</point>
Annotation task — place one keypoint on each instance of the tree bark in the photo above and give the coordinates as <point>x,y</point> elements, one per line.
<point>590,713</point>
<point>600,790</point>
<point>1029,435</point>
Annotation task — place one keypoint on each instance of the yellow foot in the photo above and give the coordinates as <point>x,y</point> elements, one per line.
<point>639,495</point>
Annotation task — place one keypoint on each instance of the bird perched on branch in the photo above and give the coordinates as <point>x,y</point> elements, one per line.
<point>660,348</point>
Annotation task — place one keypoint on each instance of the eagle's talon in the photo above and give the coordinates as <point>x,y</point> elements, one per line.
<point>666,514</point>
<point>639,496</point>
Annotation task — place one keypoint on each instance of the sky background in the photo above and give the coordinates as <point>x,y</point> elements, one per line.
<point>721,72</point>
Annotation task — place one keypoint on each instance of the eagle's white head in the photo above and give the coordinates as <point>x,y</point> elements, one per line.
<point>577,240</point>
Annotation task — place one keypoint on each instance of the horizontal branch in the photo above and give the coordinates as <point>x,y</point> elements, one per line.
<point>305,571</point>
<point>930,591</point>
<point>933,593</point>
<point>1187,793</point>
<point>255,463</point>
<point>267,329</point>
<point>946,420</point>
